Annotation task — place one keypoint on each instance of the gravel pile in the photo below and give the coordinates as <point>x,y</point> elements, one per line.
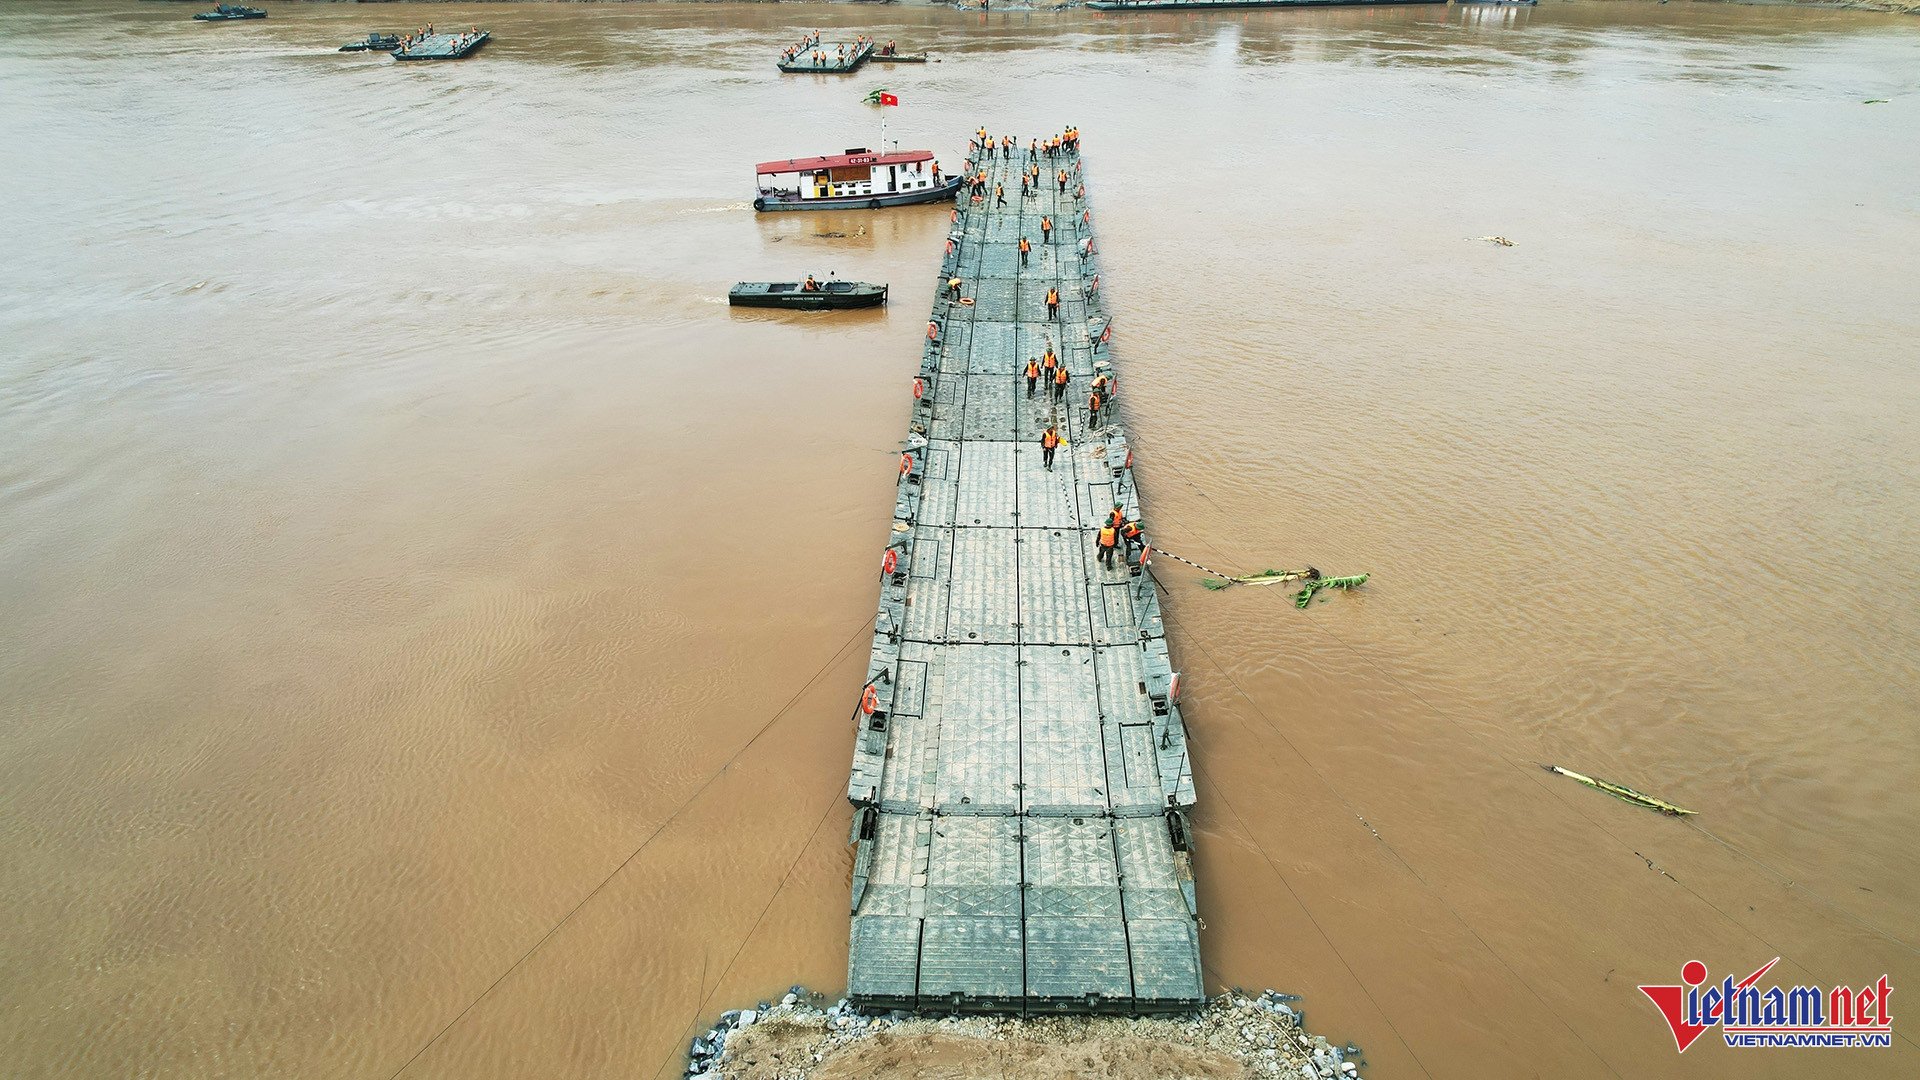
<point>802,1037</point>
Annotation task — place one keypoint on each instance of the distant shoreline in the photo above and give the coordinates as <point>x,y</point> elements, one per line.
<point>1890,7</point>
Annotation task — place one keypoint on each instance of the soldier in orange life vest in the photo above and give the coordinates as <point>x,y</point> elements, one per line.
<point>1117,516</point>
<point>1025,247</point>
<point>1093,410</point>
<point>1063,181</point>
<point>1033,375</point>
<point>1133,535</point>
<point>1060,383</point>
<point>1000,194</point>
<point>1049,439</point>
<point>1109,543</point>
<point>1046,229</point>
<point>1049,361</point>
<point>1053,303</point>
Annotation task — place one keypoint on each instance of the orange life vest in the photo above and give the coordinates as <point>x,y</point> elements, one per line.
<point>1093,401</point>
<point>1049,439</point>
<point>1060,376</point>
<point>1107,536</point>
<point>1053,296</point>
<point>1050,360</point>
<point>1033,370</point>
<point>1130,530</point>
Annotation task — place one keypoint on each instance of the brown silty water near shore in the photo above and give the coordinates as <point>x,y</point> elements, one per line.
<point>400,530</point>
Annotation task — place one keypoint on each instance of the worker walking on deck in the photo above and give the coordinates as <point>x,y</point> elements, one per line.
<point>1093,411</point>
<point>1060,383</point>
<point>1033,375</point>
<point>1053,303</point>
<point>1049,441</point>
<point>1000,194</point>
<point>1046,230</point>
<point>1025,249</point>
<point>1109,544</point>
<point>1063,181</point>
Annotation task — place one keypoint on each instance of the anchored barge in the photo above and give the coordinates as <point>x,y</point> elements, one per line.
<point>827,58</point>
<point>1020,779</point>
<point>442,46</point>
<point>858,179</point>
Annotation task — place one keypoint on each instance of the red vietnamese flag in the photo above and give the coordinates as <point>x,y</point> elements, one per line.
<point>889,99</point>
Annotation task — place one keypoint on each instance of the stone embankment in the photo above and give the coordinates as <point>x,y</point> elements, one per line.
<point>802,1037</point>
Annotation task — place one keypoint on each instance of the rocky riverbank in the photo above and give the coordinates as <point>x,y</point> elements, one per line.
<point>801,1037</point>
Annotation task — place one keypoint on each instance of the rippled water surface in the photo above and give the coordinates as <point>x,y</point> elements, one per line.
<point>397,530</point>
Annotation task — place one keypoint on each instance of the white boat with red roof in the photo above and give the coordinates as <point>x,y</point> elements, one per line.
<point>857,179</point>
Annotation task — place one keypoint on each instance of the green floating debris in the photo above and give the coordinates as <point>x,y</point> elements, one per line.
<point>1875,101</point>
<point>1620,791</point>
<point>1314,585</point>
<point>1215,583</point>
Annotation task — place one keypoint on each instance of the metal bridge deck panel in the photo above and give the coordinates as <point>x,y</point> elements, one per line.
<point>1021,786</point>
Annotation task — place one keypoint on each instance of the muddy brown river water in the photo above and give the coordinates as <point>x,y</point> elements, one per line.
<point>397,530</point>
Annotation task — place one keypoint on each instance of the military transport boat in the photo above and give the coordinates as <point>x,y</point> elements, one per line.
<point>373,43</point>
<point>824,295</point>
<point>231,12</point>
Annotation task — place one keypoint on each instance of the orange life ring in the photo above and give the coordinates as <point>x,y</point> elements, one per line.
<point>889,561</point>
<point>906,464</point>
<point>870,700</point>
<point>966,301</point>
<point>933,330</point>
<point>919,388</point>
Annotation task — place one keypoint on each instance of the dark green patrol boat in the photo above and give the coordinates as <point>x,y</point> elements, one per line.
<point>824,296</point>
<point>373,43</point>
<point>231,12</point>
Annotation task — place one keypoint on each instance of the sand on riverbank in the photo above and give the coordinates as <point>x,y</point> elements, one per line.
<point>1236,1037</point>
